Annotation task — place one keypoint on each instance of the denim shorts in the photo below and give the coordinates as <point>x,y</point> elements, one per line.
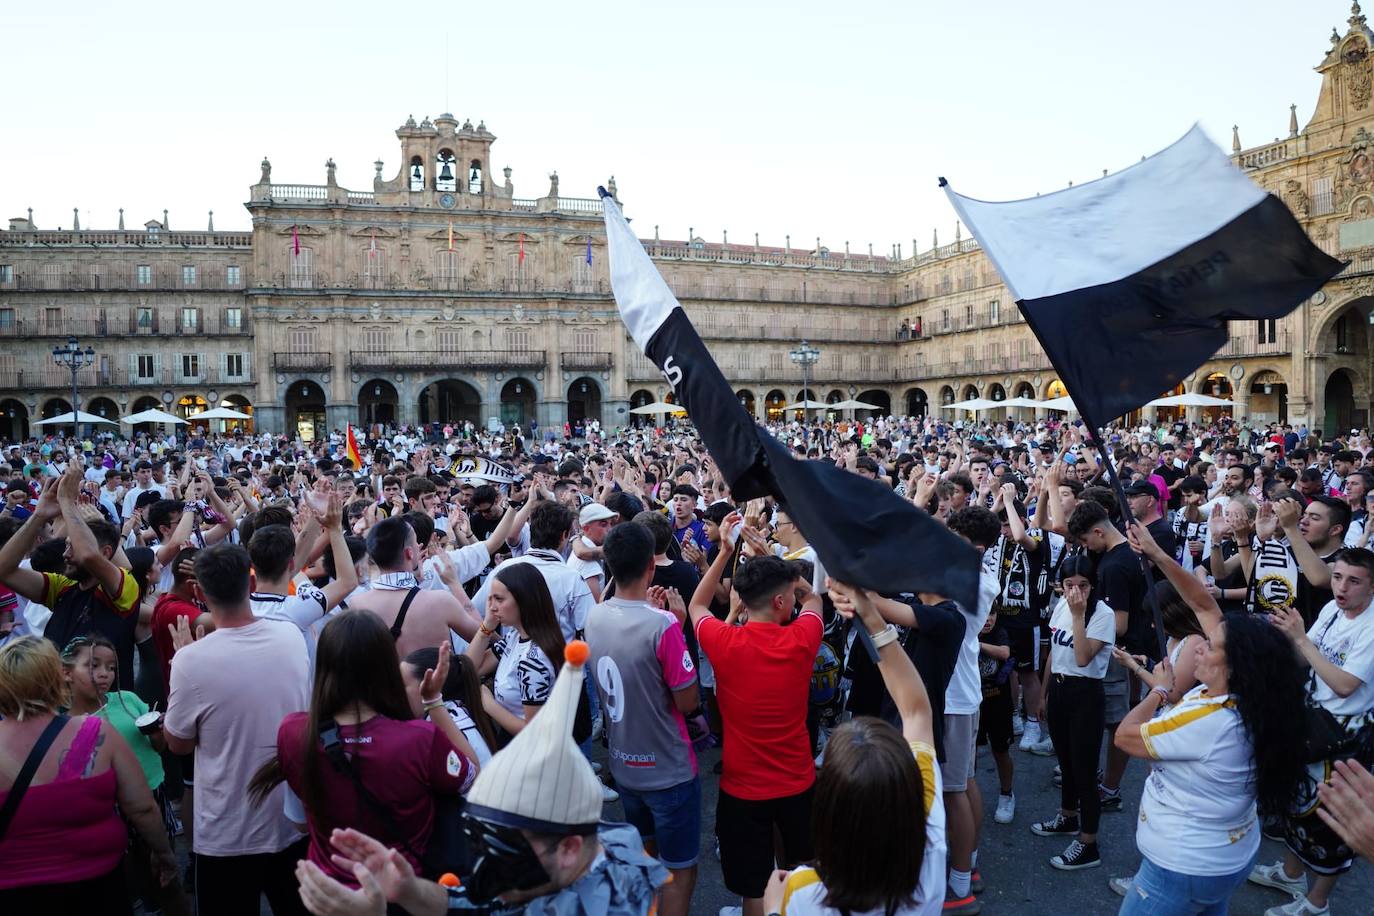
<point>670,817</point>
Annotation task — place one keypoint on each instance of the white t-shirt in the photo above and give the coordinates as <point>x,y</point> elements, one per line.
<point>587,569</point>
<point>572,599</point>
<point>1197,813</point>
<point>964,695</point>
<point>460,717</point>
<point>469,560</point>
<point>1102,625</point>
<point>1349,644</point>
<point>805,894</point>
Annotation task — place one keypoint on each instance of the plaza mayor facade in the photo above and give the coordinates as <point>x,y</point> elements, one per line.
<point>439,294</point>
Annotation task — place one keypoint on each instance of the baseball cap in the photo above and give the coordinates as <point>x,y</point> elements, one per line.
<point>1141,488</point>
<point>594,512</point>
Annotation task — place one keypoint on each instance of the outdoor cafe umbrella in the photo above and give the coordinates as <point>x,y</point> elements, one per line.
<point>1190,400</point>
<point>66,418</point>
<point>808,405</point>
<point>1060,403</point>
<point>852,404</point>
<point>221,413</point>
<point>974,404</point>
<point>659,408</point>
<point>152,415</point>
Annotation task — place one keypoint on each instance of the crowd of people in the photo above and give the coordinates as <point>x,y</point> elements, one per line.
<point>237,667</point>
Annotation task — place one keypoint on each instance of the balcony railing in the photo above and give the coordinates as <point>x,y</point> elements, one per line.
<point>115,278</point>
<point>56,378</point>
<point>1253,345</point>
<point>120,326</point>
<point>302,362</point>
<point>56,238</point>
<point>585,360</point>
<point>447,359</point>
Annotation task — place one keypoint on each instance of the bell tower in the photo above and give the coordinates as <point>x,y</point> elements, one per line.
<point>1347,92</point>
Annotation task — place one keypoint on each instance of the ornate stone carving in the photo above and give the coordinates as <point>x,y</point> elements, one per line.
<point>1296,198</point>
<point>1356,172</point>
<point>1359,76</point>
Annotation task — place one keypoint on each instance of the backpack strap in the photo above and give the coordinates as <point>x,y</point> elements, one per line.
<point>26,773</point>
<point>401,614</point>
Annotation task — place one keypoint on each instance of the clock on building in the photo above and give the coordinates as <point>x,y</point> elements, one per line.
<point>446,200</point>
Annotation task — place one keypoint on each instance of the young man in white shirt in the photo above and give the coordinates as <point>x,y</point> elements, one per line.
<point>229,692</point>
<point>1339,648</point>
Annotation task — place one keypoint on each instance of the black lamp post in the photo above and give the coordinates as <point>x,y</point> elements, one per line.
<point>75,359</point>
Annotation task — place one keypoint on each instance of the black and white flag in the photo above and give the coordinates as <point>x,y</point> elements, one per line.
<point>1129,281</point>
<point>864,533</point>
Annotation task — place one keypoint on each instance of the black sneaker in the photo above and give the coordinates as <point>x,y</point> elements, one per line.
<point>1078,855</point>
<point>1058,826</point>
<point>1110,800</point>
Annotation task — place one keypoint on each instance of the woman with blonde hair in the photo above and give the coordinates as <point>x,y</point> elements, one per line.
<point>61,837</point>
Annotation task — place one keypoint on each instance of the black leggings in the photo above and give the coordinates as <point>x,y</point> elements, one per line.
<point>234,885</point>
<point>1075,714</point>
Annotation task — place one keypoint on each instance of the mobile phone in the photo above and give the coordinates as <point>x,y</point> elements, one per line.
<point>736,529</point>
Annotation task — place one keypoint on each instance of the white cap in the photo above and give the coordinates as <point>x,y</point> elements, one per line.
<point>541,781</point>
<point>594,512</point>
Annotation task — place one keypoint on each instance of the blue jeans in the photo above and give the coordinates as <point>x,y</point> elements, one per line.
<point>671,817</point>
<point>1157,891</point>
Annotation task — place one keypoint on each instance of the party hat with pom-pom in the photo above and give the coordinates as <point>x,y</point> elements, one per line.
<point>541,781</point>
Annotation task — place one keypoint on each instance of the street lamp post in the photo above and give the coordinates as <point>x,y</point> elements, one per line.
<point>75,359</point>
<point>805,356</point>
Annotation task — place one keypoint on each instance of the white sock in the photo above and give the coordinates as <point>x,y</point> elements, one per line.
<point>958,882</point>
<point>973,866</point>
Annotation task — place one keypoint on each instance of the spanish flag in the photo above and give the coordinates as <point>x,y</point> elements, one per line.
<point>351,450</point>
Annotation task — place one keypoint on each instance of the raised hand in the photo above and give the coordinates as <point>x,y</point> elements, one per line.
<point>1266,524</point>
<point>432,684</point>
<point>181,633</point>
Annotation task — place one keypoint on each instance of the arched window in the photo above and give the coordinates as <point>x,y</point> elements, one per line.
<point>417,173</point>
<point>475,176</point>
<point>445,179</point>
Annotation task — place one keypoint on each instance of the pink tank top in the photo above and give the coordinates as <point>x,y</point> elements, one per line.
<point>65,830</point>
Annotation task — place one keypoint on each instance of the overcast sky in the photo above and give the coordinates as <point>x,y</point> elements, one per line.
<point>802,118</point>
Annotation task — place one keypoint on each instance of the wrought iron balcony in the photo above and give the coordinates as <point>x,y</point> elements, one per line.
<point>586,360</point>
<point>447,359</point>
<point>302,362</point>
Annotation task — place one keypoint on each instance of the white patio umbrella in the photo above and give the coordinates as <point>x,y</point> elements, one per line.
<point>221,413</point>
<point>1020,402</point>
<point>152,415</point>
<point>65,419</point>
<point>1190,400</point>
<point>1063,403</point>
<point>808,405</point>
<point>852,404</point>
<point>974,404</point>
<point>658,407</point>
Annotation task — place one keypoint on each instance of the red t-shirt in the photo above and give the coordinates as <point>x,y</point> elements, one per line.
<point>763,684</point>
<point>403,765</point>
<point>165,613</point>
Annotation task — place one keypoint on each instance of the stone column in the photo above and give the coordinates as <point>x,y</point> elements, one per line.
<point>269,418</point>
<point>337,415</point>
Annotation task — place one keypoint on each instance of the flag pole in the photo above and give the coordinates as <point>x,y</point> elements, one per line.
<point>1144,562</point>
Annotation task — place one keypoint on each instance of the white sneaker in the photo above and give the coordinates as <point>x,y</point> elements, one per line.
<point>1030,735</point>
<point>608,794</point>
<point>1275,877</point>
<point>732,911</point>
<point>1042,748</point>
<point>1006,809</point>
<point>1018,726</point>
<point>1299,907</point>
<point>1121,886</point>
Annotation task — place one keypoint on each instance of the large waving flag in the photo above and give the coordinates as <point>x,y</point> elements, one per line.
<point>863,533</point>
<point>1128,281</point>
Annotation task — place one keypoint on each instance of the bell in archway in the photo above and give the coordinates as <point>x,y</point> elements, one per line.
<point>416,174</point>
<point>446,173</point>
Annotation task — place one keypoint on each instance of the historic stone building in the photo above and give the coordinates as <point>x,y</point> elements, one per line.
<point>440,294</point>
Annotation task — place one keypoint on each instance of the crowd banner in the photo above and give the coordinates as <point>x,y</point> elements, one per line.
<point>469,467</point>
<point>863,532</point>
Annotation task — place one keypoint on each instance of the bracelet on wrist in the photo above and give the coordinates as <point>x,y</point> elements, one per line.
<point>427,705</point>
<point>887,634</point>
<point>1162,691</point>
<point>482,628</point>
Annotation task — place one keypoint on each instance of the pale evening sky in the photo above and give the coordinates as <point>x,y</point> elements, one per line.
<point>802,118</point>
